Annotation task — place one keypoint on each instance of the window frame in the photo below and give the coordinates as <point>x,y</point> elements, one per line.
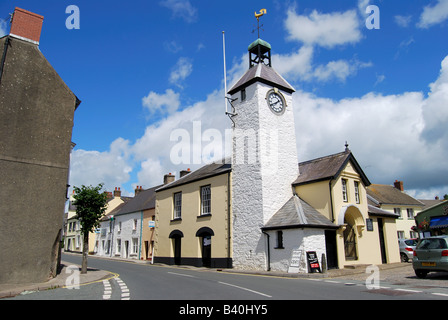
<point>207,202</point>
<point>177,205</point>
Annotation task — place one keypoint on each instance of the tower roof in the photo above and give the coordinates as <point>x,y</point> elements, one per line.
<point>264,74</point>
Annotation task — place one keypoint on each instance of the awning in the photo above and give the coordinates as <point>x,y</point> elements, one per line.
<point>439,222</point>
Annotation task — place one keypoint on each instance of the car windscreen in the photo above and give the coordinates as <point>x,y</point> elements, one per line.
<point>432,244</point>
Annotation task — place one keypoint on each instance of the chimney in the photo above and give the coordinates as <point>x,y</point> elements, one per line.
<point>117,192</point>
<point>168,178</point>
<point>138,189</point>
<point>26,25</point>
<point>398,185</point>
<point>436,198</point>
<point>184,172</point>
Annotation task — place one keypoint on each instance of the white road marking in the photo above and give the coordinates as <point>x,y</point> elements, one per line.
<point>242,288</point>
<point>182,274</point>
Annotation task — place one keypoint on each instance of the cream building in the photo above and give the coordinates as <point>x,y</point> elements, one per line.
<point>193,219</point>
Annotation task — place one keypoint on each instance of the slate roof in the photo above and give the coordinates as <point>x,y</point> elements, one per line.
<point>204,172</point>
<point>296,213</point>
<point>264,74</point>
<point>144,200</point>
<point>326,168</point>
<point>387,194</point>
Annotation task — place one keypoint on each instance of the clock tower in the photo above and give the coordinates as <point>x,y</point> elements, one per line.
<point>264,159</point>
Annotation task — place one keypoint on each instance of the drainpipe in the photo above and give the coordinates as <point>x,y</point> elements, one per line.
<point>269,251</point>
<point>141,233</point>
<point>229,231</point>
<point>331,201</point>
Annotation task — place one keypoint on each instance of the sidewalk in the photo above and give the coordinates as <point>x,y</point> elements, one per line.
<point>60,281</point>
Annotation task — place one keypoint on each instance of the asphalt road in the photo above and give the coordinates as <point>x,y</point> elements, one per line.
<point>191,289</point>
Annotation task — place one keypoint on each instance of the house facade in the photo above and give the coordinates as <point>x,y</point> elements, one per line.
<point>393,199</point>
<point>432,221</point>
<point>36,119</point>
<point>125,232</point>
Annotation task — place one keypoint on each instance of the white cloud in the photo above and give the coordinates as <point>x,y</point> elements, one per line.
<point>324,29</point>
<point>432,15</point>
<point>111,167</point>
<point>181,70</point>
<point>166,103</point>
<point>3,28</point>
<point>181,9</point>
<point>403,21</point>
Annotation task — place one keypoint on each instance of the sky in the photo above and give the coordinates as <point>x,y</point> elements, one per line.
<point>150,75</point>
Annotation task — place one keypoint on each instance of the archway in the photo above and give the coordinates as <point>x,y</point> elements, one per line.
<point>205,234</point>
<point>177,235</point>
<point>352,220</point>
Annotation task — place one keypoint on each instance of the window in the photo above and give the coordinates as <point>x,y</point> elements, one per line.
<point>178,205</point>
<point>134,245</point>
<point>134,225</point>
<point>206,199</point>
<point>344,190</point>
<point>410,213</point>
<point>398,212</point>
<point>243,94</point>
<point>119,227</point>
<point>400,234</point>
<point>118,245</point>
<point>279,240</point>
<point>357,192</point>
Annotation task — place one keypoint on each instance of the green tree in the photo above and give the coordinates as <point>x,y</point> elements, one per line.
<point>90,205</point>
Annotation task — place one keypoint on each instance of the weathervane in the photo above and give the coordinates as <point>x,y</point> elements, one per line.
<point>258,15</point>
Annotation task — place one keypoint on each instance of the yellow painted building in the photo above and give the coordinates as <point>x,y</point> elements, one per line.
<point>335,186</point>
<point>193,219</point>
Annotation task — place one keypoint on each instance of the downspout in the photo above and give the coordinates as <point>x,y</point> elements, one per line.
<point>141,233</point>
<point>269,251</point>
<point>229,230</point>
<point>331,201</point>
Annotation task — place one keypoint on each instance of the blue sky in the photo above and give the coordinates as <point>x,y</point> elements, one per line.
<point>144,69</point>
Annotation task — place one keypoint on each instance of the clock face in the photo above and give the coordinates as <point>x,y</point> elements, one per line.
<point>276,102</point>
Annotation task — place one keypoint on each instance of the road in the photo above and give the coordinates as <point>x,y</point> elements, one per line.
<point>136,281</point>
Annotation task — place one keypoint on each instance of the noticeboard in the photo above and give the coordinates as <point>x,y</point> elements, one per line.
<point>313,262</point>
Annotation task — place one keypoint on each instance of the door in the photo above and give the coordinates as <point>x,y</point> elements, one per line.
<point>330,244</point>
<point>382,242</point>
<point>206,251</point>
<point>126,249</point>
<point>350,242</point>
<point>177,250</point>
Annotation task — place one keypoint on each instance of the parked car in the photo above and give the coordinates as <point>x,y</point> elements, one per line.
<point>431,254</point>
<point>407,247</point>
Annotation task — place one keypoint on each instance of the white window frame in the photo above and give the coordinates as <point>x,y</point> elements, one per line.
<point>357,197</point>
<point>206,200</point>
<point>344,190</point>
<point>177,202</point>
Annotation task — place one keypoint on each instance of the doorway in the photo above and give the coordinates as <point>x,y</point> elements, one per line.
<point>126,249</point>
<point>382,241</point>
<point>177,250</point>
<point>332,253</point>
<point>206,251</point>
<point>350,242</point>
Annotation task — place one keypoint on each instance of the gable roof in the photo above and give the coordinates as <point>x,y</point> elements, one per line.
<point>204,172</point>
<point>387,194</point>
<point>144,200</point>
<point>328,167</point>
<point>264,74</point>
<point>296,213</point>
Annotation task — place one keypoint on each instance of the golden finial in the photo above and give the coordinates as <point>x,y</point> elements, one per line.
<point>258,15</point>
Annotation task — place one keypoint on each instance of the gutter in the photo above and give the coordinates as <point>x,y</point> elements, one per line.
<point>229,199</point>
<point>141,234</point>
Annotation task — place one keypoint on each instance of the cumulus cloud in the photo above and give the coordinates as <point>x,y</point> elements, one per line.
<point>181,9</point>
<point>324,29</point>
<point>181,71</point>
<point>165,103</point>
<point>432,15</point>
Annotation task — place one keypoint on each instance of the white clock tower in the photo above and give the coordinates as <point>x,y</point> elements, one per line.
<point>264,160</point>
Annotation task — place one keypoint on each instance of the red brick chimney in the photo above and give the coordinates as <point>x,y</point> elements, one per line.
<point>398,185</point>
<point>26,25</point>
<point>117,192</point>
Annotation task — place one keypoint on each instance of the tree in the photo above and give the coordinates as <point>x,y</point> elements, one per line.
<point>90,205</point>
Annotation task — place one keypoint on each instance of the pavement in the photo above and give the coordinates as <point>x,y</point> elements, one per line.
<point>65,276</point>
<point>62,280</point>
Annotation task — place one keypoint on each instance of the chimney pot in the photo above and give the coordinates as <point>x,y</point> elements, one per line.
<point>26,25</point>
<point>184,172</point>
<point>117,192</point>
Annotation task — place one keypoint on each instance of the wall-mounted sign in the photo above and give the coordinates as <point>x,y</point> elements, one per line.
<point>369,223</point>
<point>152,224</point>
